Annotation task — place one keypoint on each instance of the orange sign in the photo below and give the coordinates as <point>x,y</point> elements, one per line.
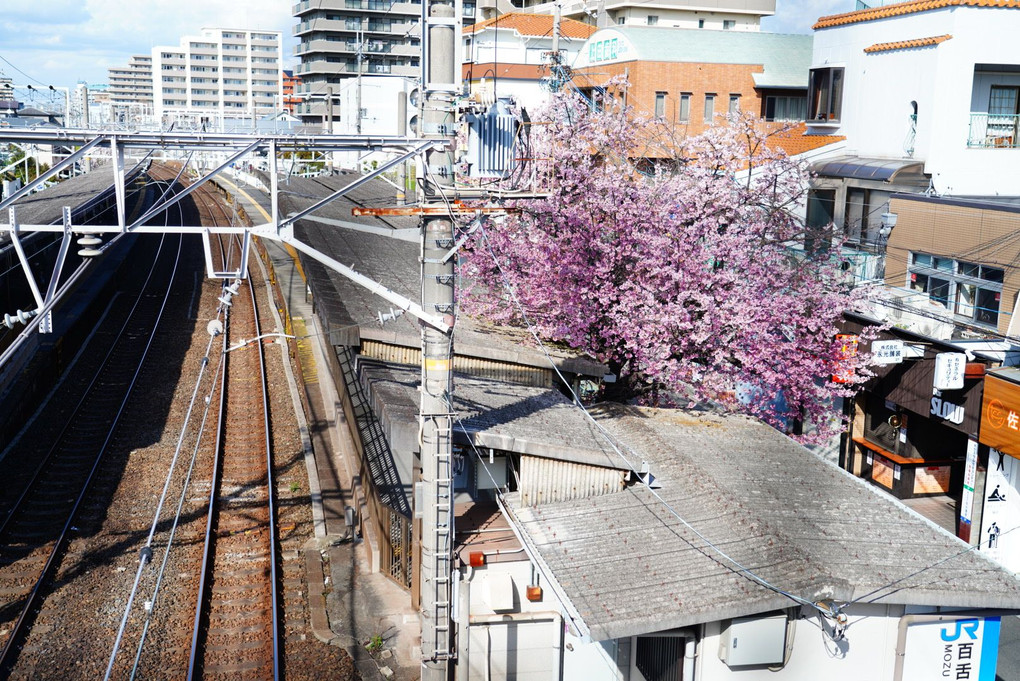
<point>1000,415</point>
<point>844,368</point>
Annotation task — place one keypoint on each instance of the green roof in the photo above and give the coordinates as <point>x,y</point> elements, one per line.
<point>786,58</point>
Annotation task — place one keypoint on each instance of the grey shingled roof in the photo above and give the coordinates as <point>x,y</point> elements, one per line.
<point>353,310</point>
<point>506,416</point>
<point>786,58</point>
<point>629,567</point>
<point>45,207</point>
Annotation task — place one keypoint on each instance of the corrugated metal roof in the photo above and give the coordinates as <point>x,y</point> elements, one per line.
<point>786,58</point>
<point>902,170</point>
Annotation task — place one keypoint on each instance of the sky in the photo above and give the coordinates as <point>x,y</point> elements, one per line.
<point>64,42</point>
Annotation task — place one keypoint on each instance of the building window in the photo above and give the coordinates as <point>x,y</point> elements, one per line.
<point>620,21</point>
<point>970,290</point>
<point>734,104</point>
<point>709,107</point>
<point>653,20</point>
<point>728,24</point>
<point>1003,107</point>
<point>660,104</point>
<point>785,108</point>
<point>825,94</point>
<point>701,23</point>
<point>685,107</point>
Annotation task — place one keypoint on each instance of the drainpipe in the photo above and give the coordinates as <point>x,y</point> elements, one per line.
<point>463,630</point>
<point>690,655</point>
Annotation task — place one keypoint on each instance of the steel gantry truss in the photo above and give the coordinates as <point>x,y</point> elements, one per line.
<point>234,147</point>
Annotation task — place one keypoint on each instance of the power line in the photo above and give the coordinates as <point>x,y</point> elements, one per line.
<point>4,59</point>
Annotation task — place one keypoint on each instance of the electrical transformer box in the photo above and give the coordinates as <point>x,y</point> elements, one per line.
<point>753,641</point>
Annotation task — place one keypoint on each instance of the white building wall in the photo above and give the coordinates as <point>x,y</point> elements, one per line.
<point>867,652</point>
<point>879,87</point>
<point>523,642</point>
<point>380,96</point>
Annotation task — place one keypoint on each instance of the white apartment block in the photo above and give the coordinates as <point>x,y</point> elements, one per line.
<point>722,15</point>
<point>131,86</point>
<point>223,79</point>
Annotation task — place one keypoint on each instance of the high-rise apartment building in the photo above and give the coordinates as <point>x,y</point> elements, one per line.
<point>131,85</point>
<point>221,79</point>
<point>340,39</point>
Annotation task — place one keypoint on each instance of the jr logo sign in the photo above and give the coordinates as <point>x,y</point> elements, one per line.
<point>964,649</point>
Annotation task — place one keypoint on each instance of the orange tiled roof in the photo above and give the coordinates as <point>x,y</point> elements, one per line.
<point>908,44</point>
<point>534,25</point>
<point>793,141</point>
<point>901,8</point>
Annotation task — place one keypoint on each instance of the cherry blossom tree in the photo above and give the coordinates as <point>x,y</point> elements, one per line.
<point>682,273</point>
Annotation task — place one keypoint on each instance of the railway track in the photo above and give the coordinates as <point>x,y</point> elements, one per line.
<point>37,523</point>
<point>210,595</point>
<point>236,631</point>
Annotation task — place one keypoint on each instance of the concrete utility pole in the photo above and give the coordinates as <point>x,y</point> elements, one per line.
<point>440,30</point>
<point>361,59</point>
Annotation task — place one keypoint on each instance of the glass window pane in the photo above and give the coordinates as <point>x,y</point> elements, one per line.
<point>988,306</point>
<point>709,108</point>
<point>991,274</point>
<point>938,290</point>
<point>837,94</point>
<point>919,282</point>
<point>967,269</point>
<point>922,259</point>
<point>685,107</point>
<point>944,264</point>
<point>965,299</point>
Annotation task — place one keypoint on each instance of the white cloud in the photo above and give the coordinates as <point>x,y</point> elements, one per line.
<point>64,41</point>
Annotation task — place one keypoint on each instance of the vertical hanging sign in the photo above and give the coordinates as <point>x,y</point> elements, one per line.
<point>949,370</point>
<point>844,367</point>
<point>967,498</point>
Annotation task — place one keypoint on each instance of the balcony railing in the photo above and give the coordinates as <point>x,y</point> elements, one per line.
<point>993,131</point>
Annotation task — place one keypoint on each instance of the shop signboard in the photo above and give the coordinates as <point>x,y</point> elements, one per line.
<point>886,351</point>
<point>949,370</point>
<point>952,648</point>
<point>1000,519</point>
<point>1000,415</point>
<point>911,387</point>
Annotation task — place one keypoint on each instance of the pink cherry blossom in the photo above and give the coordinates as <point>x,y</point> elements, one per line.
<point>688,278</point>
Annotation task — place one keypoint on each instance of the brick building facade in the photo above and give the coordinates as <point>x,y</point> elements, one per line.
<point>691,77</point>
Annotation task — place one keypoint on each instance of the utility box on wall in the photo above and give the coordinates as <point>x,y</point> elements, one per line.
<point>754,641</point>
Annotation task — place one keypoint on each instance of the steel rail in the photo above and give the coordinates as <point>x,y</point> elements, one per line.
<point>208,557</point>
<point>273,549</point>
<point>19,631</point>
